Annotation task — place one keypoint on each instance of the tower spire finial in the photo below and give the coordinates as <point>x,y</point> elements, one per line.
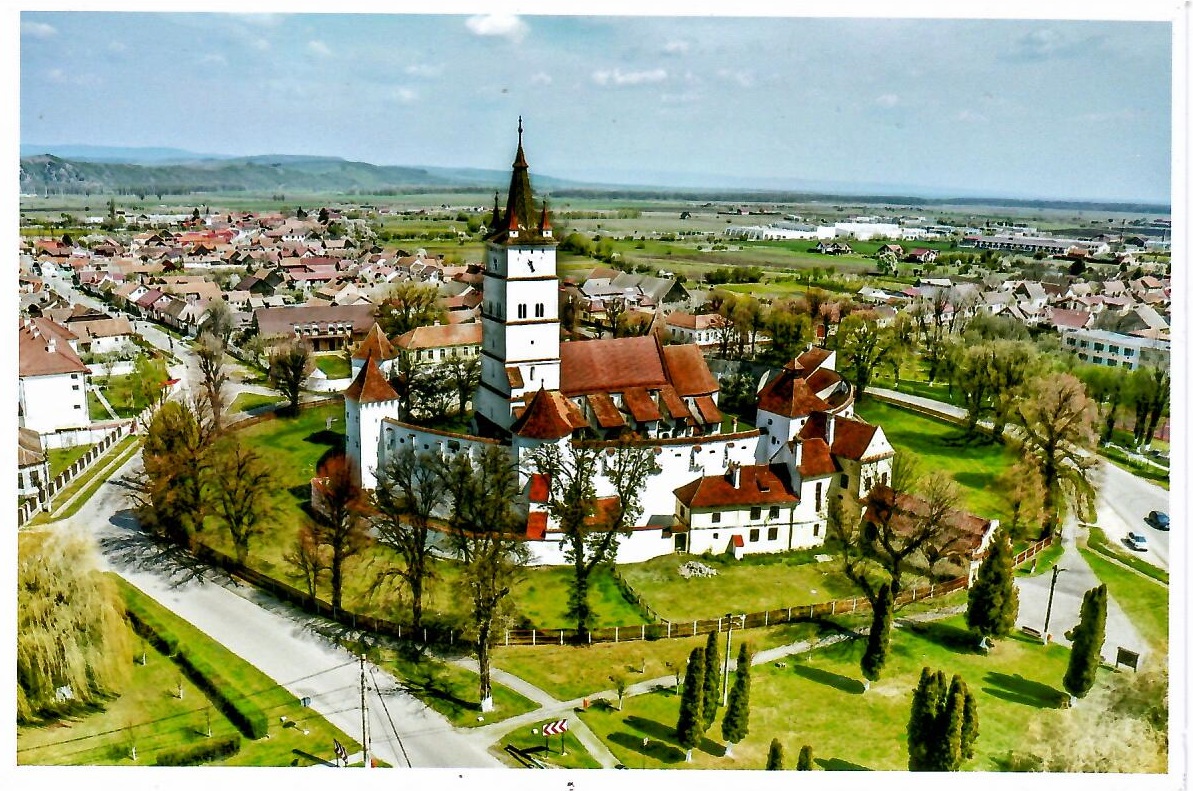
<point>519,131</point>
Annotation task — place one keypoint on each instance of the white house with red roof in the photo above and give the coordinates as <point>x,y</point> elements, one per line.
<point>52,384</point>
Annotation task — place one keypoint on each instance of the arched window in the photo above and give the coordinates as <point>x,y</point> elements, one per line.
<point>539,310</point>
<point>522,310</point>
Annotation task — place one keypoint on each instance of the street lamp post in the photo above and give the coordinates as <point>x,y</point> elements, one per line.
<point>1056,570</point>
<point>730,617</point>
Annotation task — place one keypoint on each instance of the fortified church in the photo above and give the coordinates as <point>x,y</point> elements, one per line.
<point>765,489</point>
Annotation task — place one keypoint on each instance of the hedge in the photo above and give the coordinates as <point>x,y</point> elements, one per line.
<point>200,753</point>
<point>244,713</point>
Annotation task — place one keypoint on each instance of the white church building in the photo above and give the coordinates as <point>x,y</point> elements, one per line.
<point>716,486</point>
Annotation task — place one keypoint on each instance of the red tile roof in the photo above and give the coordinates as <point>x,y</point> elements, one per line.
<point>514,374</point>
<point>813,358</point>
<point>376,345</point>
<point>34,355</point>
<point>549,415</point>
<point>759,485</point>
<point>969,529</point>
<point>606,412</point>
<point>536,525</point>
<point>708,410</point>
<point>370,385</point>
<point>789,395</point>
<point>688,370</point>
<point>675,405</point>
<point>852,438</point>
<point>540,488</point>
<point>641,406</point>
<point>816,461</point>
<point>440,335</point>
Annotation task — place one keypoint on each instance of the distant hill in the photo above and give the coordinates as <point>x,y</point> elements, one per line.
<point>44,173</point>
<point>80,169</point>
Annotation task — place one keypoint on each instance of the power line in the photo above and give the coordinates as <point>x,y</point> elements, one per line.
<point>389,717</point>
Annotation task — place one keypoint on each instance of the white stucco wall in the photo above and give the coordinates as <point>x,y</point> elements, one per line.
<point>52,402</point>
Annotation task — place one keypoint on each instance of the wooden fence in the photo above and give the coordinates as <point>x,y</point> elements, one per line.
<point>44,498</point>
<point>447,634</point>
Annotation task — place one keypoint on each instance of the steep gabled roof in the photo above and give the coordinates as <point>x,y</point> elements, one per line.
<point>852,438</point>
<point>816,461</point>
<point>550,415</point>
<point>375,344</point>
<point>688,370</point>
<point>370,385</point>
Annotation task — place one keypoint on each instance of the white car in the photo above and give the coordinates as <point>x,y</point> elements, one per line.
<point>1137,542</point>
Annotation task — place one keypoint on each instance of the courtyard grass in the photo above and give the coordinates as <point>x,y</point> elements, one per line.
<point>542,599</point>
<point>973,464</point>
<point>247,401</point>
<point>333,366</point>
<point>818,699</point>
<point>752,584</point>
<point>570,672</point>
<point>150,713</point>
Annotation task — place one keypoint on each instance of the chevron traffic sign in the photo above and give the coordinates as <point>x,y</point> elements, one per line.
<point>555,728</point>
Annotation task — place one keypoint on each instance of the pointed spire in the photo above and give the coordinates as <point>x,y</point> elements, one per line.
<point>496,211</point>
<point>520,210</point>
<point>544,220</point>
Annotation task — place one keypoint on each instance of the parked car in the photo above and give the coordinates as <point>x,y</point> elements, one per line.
<point>1137,542</point>
<point>1158,520</point>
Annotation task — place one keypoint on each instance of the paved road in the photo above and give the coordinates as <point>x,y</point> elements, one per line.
<point>285,644</point>
<point>1124,500</point>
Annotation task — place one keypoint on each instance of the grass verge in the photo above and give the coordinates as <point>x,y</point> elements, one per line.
<point>61,458</point>
<point>560,752</point>
<point>1099,542</point>
<point>246,401</point>
<point>1144,601</point>
<point>90,481</point>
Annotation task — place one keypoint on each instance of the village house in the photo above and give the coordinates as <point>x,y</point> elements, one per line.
<point>52,389</point>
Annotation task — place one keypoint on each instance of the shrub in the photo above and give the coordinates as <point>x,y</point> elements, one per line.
<point>200,753</point>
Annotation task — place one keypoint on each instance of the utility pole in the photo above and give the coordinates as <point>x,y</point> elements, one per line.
<point>364,718</point>
<point>1056,570</point>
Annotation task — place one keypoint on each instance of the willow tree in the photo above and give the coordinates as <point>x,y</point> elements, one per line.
<point>73,645</point>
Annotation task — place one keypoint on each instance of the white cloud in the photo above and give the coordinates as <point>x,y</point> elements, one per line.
<point>424,70</point>
<point>505,25</point>
<point>676,47</point>
<point>743,78</point>
<point>619,77</point>
<point>405,95</point>
<point>38,30</point>
<point>319,48</point>
<point>887,100</point>
<point>540,78</point>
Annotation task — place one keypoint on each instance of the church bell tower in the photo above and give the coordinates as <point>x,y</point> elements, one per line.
<point>520,311</point>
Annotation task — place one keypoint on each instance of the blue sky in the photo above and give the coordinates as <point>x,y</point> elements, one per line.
<point>1036,108</point>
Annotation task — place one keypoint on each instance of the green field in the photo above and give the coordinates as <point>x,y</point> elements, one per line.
<point>334,366</point>
<point>61,458</point>
<point>248,401</point>
<point>973,464</point>
<point>818,699</point>
<point>752,584</point>
<point>151,714</point>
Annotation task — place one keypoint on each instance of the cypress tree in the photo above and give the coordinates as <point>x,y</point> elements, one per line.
<point>736,723</point>
<point>951,724</point>
<point>969,725</point>
<point>774,759</point>
<point>880,636</point>
<point>922,727</point>
<point>804,763</point>
<point>1088,637</point>
<point>688,729</point>
<point>712,680</point>
<point>993,599</point>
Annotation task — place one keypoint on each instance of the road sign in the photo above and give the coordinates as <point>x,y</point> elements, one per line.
<point>341,753</point>
<point>555,728</point>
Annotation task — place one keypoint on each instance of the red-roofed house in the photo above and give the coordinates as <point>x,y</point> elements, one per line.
<point>52,380</point>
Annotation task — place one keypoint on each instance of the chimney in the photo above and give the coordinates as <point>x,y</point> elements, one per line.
<point>52,348</point>
<point>797,447</point>
<point>830,429</point>
<point>733,475</point>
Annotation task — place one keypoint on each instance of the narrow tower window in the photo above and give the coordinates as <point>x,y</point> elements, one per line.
<point>522,310</point>
<point>539,310</point>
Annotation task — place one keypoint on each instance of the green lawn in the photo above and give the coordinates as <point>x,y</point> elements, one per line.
<point>90,481</point>
<point>246,401</point>
<point>95,409</point>
<point>1144,601</point>
<point>61,458</point>
<point>160,720</point>
<point>121,394</point>
<point>542,599</point>
<point>973,464</point>
<point>569,672</point>
<point>818,699</point>
<point>752,584</point>
<point>1098,542</point>
<point>334,366</point>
